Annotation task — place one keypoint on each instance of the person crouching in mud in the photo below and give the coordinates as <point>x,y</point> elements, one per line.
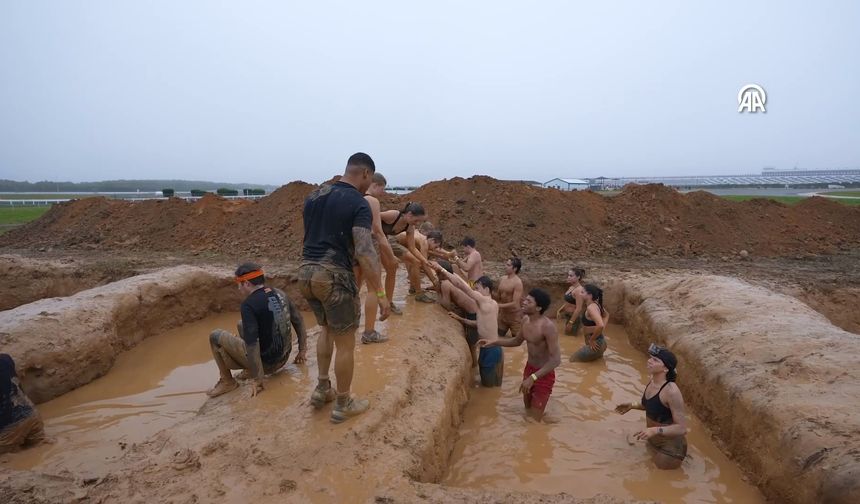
<point>20,423</point>
<point>665,419</point>
<point>265,341</point>
<point>491,359</point>
<point>544,353</point>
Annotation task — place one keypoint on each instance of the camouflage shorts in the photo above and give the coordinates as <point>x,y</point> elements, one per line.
<point>332,294</point>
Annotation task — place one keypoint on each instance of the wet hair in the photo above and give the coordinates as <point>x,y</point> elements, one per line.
<point>517,264</point>
<point>669,360</point>
<point>435,235</point>
<point>379,179</point>
<point>485,282</point>
<point>542,299</point>
<point>468,242</point>
<point>445,265</point>
<point>425,227</point>
<point>248,267</point>
<point>579,272</point>
<point>360,159</point>
<point>414,209</point>
<point>596,294</point>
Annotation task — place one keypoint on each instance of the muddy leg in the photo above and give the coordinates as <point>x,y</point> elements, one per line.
<point>325,347</point>
<point>371,304</point>
<point>220,355</point>
<point>344,359</point>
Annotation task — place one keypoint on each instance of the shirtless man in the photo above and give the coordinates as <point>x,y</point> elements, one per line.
<point>434,246</point>
<point>386,258</point>
<point>413,265</point>
<point>543,349</point>
<point>471,265</point>
<point>511,298</point>
<point>490,360</point>
<point>451,298</point>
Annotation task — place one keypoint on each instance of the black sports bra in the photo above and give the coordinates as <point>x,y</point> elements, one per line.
<point>388,229</point>
<point>569,298</point>
<point>656,410</point>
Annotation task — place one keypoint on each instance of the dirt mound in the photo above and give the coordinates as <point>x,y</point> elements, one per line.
<point>504,217</point>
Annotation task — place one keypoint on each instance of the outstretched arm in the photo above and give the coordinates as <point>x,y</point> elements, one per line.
<point>367,258</point>
<point>506,342</point>
<point>458,282</point>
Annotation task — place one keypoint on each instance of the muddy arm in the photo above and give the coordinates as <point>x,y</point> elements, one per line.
<point>299,325</point>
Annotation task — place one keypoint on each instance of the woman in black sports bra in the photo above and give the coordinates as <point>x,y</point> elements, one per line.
<point>594,319</point>
<point>570,312</point>
<point>665,418</point>
<point>407,220</point>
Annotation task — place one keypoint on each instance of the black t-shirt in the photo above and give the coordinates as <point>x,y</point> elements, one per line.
<point>265,318</point>
<point>330,213</point>
<point>14,404</point>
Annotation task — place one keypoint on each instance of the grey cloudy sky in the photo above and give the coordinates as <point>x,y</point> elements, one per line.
<point>270,92</point>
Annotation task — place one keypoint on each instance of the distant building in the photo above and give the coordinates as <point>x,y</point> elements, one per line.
<point>567,184</point>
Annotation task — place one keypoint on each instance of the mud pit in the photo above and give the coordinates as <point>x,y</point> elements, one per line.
<point>583,450</point>
<point>275,447</point>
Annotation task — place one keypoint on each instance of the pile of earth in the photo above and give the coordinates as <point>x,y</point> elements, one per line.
<point>504,217</point>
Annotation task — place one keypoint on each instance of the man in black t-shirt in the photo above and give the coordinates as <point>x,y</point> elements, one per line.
<point>265,340</point>
<point>338,234</point>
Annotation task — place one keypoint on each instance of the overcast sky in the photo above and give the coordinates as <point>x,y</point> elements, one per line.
<point>270,92</point>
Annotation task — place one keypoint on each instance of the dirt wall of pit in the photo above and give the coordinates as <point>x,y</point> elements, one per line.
<point>774,380</point>
<point>62,343</point>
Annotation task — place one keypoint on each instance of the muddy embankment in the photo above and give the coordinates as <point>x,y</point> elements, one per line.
<point>24,280</point>
<point>773,379</point>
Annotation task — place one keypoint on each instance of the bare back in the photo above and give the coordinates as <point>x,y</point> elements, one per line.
<point>488,318</point>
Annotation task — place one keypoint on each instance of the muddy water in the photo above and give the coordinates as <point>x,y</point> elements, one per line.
<point>586,451</point>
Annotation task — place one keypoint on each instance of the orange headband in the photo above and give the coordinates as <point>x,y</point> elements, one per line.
<point>248,276</point>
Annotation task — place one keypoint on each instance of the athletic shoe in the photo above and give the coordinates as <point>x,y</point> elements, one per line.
<point>396,309</point>
<point>321,396</point>
<point>350,407</point>
<point>222,387</point>
<point>373,337</point>
<point>425,298</point>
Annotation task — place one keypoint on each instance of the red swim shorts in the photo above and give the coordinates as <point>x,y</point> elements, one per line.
<point>541,390</point>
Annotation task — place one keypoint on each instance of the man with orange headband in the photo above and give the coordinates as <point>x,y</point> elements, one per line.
<point>338,234</point>
<point>265,341</point>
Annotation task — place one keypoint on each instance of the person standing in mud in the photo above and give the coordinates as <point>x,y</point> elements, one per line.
<point>20,422</point>
<point>338,223</point>
<point>386,257</point>
<point>405,221</point>
<point>510,298</point>
<point>544,352</point>
<point>472,266</point>
<point>665,416</point>
<point>451,298</point>
<point>594,321</point>
<point>574,302</point>
<point>265,341</point>
<point>490,359</point>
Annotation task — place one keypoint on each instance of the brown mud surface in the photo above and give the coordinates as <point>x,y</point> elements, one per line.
<point>504,217</point>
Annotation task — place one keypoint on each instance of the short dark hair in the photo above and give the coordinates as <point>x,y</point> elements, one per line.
<point>468,242</point>
<point>435,235</point>
<point>445,265</point>
<point>485,281</point>
<point>361,159</point>
<point>541,298</point>
<point>248,267</point>
<point>516,263</point>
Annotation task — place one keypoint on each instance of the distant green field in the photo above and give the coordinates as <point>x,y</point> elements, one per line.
<point>853,194</point>
<point>15,216</point>
<point>22,196</point>
<point>790,200</point>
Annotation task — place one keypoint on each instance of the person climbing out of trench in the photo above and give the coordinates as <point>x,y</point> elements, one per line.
<point>406,221</point>
<point>544,352</point>
<point>338,234</point>
<point>594,320</point>
<point>472,266</point>
<point>453,299</point>
<point>265,341</point>
<point>574,302</point>
<point>490,359</point>
<point>665,419</point>
<point>20,423</point>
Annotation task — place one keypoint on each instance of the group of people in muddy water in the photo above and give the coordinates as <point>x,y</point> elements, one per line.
<point>349,241</point>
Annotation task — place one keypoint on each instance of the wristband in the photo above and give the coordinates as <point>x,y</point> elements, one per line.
<point>380,294</point>
<point>534,378</point>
